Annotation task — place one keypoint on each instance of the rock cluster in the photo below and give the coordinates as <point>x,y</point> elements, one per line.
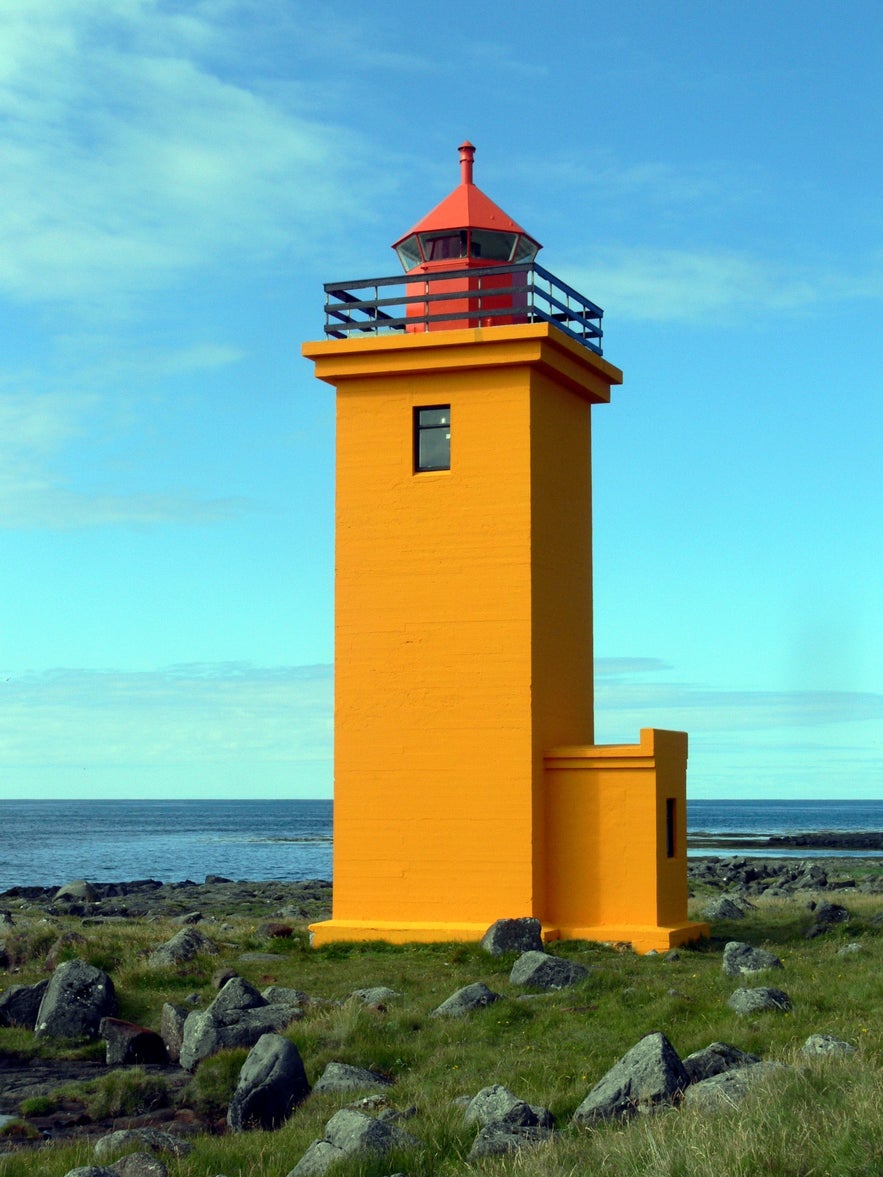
<point>238,1016</point>
<point>743,877</point>
<point>79,1001</point>
<point>185,901</point>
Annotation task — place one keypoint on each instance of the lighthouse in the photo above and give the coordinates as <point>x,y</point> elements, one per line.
<point>468,787</point>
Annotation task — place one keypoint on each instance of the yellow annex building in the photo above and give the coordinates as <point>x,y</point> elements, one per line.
<point>467,784</point>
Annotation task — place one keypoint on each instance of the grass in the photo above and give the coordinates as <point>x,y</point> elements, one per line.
<point>820,1116</point>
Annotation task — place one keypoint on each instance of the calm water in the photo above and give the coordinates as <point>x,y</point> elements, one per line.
<point>731,818</point>
<point>44,843</point>
<point>48,842</point>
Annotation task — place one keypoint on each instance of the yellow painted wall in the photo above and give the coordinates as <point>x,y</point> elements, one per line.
<point>463,617</point>
<point>611,877</point>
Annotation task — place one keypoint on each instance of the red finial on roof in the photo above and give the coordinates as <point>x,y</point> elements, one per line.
<point>467,157</point>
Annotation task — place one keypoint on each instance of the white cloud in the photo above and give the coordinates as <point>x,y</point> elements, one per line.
<point>680,285</point>
<point>710,285</point>
<point>128,158</point>
<point>691,707</point>
<point>200,715</point>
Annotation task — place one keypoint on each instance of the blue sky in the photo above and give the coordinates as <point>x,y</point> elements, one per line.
<point>179,179</point>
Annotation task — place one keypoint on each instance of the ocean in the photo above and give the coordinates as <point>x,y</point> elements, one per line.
<point>48,843</point>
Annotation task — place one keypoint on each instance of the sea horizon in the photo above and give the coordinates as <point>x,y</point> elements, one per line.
<point>121,840</point>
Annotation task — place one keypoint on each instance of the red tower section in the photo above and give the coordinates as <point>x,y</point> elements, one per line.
<point>467,233</point>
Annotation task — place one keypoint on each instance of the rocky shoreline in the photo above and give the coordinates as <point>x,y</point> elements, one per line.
<point>310,899</point>
<point>835,841</point>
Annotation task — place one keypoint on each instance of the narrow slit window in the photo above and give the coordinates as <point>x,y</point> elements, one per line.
<point>432,438</point>
<point>671,813</point>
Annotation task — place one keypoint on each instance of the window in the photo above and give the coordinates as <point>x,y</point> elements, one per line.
<point>671,827</point>
<point>491,246</point>
<point>432,438</point>
<point>443,246</point>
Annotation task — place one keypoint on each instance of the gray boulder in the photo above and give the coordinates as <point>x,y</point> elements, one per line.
<point>375,995</point>
<point>650,1073</point>
<point>77,997</point>
<point>271,1084</point>
<point>741,959</point>
<point>183,946</point>
<point>466,1000</point>
<point>128,1044</point>
<point>521,935</point>
<point>825,916</point>
<point>347,1134</point>
<point>829,914</point>
<point>854,948</point>
<point>826,1044</point>
<point>538,970</point>
<point>237,994</point>
<point>497,1105</point>
<point>171,1028</point>
<point>91,1171</point>
<point>751,1001</point>
<point>722,908</point>
<point>715,1059</point>
<point>149,1140</point>
<point>499,1138</point>
<point>343,1077</point>
<point>19,1004</point>
<point>138,1164</point>
<point>76,891</point>
<point>285,995</point>
<point>238,1016</point>
<point>729,1087</point>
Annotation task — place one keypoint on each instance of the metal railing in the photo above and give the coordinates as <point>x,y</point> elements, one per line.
<point>475,297</point>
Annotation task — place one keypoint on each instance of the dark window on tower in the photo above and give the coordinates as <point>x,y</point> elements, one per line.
<point>671,817</point>
<point>432,438</point>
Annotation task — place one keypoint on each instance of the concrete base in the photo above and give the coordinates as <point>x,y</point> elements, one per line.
<point>641,938</point>
<point>333,931</point>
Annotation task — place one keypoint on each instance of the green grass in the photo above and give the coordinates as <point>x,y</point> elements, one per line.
<point>822,1116</point>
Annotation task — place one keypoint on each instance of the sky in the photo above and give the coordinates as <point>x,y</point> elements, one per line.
<point>177,181</point>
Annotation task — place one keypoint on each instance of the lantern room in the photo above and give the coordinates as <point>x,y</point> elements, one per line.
<point>466,228</point>
<point>467,232</point>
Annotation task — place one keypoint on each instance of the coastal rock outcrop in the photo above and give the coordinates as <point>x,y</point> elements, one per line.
<point>740,959</point>
<point>271,1084</point>
<point>520,935</point>
<point>539,970</point>
<point>77,997</point>
<point>826,1044</point>
<point>151,1140</point>
<point>349,1133</point>
<point>650,1073</point>
<point>825,916</point>
<point>715,1059</point>
<point>183,946</point>
<point>466,1000</point>
<point>238,1016</point>
<point>130,1045</point>
<point>728,1087</point>
<point>507,1123</point>
<point>752,1001</point>
<point>343,1077</point>
<point>375,995</point>
<point>20,1004</point>
<point>722,907</point>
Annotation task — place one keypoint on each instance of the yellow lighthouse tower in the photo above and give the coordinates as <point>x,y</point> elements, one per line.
<point>467,785</point>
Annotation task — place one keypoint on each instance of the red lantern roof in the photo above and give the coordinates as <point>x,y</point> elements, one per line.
<point>466,208</point>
